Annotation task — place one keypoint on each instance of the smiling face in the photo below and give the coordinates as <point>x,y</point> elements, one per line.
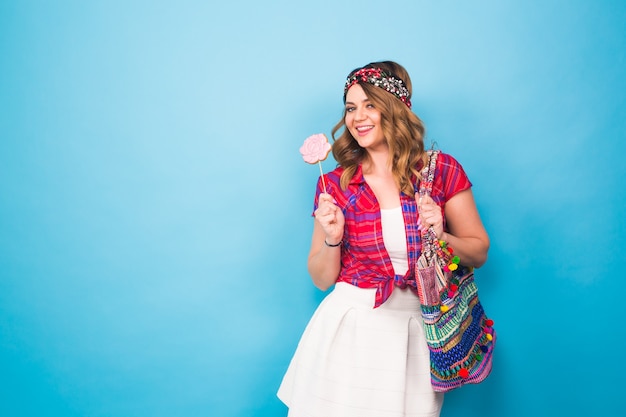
<point>363,120</point>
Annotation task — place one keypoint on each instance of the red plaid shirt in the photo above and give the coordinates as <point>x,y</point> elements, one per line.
<point>364,259</point>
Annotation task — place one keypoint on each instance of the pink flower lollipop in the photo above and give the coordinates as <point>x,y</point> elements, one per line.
<point>314,150</point>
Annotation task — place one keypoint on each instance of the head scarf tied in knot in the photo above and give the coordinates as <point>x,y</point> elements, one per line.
<point>379,78</point>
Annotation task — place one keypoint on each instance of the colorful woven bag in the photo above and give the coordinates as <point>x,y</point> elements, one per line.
<point>460,337</point>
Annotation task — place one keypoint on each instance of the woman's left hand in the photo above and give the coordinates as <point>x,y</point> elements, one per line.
<point>430,214</point>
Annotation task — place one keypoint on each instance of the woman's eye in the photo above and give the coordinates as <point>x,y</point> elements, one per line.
<point>370,106</point>
<point>349,109</point>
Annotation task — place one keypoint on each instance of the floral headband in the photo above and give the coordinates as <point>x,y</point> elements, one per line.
<point>379,78</point>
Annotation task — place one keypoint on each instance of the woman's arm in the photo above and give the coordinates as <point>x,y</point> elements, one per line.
<point>466,233</point>
<point>324,261</point>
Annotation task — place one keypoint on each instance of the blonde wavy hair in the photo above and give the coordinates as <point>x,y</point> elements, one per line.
<point>402,129</point>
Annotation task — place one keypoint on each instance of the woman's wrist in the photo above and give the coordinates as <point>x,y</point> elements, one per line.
<point>333,245</point>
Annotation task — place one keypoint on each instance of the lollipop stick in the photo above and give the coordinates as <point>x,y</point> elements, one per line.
<point>322,174</point>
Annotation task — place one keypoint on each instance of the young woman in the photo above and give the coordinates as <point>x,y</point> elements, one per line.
<point>364,354</point>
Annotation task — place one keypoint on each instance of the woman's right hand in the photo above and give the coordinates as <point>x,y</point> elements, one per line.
<point>331,218</point>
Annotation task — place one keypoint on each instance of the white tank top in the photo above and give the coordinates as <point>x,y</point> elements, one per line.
<point>394,237</point>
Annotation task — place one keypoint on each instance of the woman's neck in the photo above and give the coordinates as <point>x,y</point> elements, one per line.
<point>377,163</point>
<point>378,175</point>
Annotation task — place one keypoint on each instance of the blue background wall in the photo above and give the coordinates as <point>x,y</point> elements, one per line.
<point>155,211</point>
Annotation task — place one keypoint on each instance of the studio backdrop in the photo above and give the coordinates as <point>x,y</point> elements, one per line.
<point>155,213</point>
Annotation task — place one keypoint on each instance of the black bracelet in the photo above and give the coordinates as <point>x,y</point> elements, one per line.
<point>333,246</point>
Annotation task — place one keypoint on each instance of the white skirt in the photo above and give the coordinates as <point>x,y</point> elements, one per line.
<point>357,361</point>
